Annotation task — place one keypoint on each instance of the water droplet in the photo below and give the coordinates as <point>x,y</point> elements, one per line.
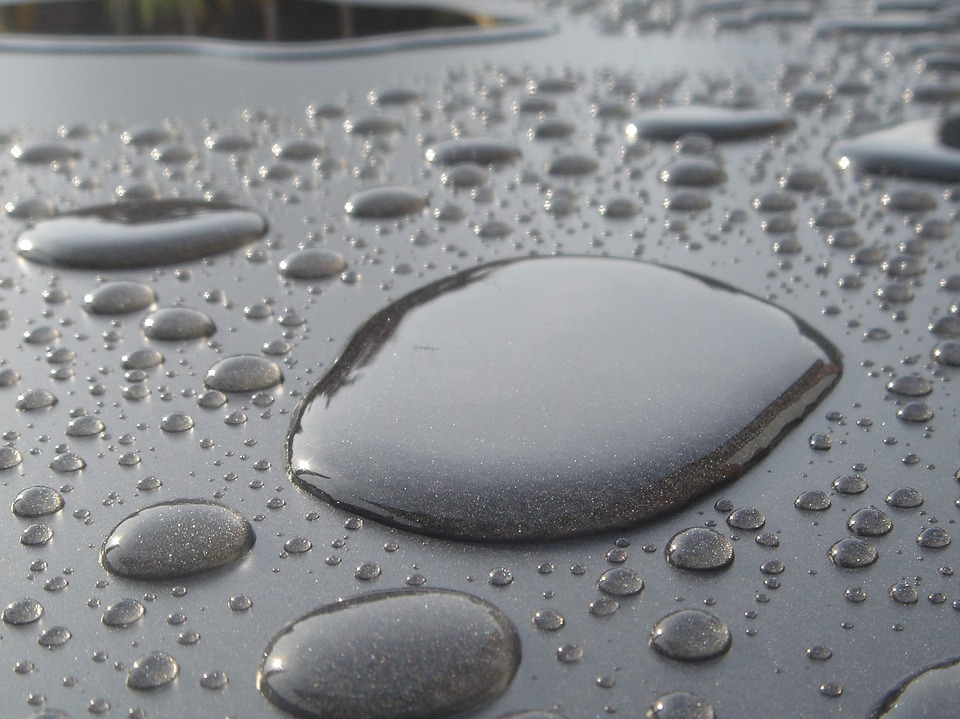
<point>480,150</point>
<point>123,613</point>
<point>53,637</point>
<point>139,233</point>
<point>44,153</point>
<point>34,399</point>
<point>746,519</point>
<point>548,620</point>
<point>67,462</point>
<point>904,593</point>
<point>905,498</point>
<point>934,538</point>
<point>718,123</point>
<point>116,298</point>
<point>699,548</point>
<point>36,535</point>
<point>620,582</point>
<point>173,324</point>
<point>852,553</point>
<point>243,373</point>
<point>501,458</point>
<point>693,172</point>
<point>383,203</point>
<point>152,671</point>
<point>500,577</point>
<point>572,164</point>
<point>37,501</point>
<point>176,422</point>
<point>813,500</point>
<point>367,571</point>
<point>680,705</point>
<point>313,263</point>
<point>214,680</point>
<point>690,635</point>
<point>850,484</point>
<point>947,353</point>
<point>9,457</point>
<point>870,522</point>
<point>910,385</point>
<point>448,652</point>
<point>22,611</point>
<point>297,545</point>
<point>142,359</point>
<point>176,539</point>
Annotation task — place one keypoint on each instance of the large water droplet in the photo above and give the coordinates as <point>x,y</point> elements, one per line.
<point>37,501</point>
<point>924,149</point>
<point>690,635</point>
<point>139,233</point>
<point>620,441</point>
<point>390,655</point>
<point>715,122</point>
<point>243,373</point>
<point>176,539</point>
<point>481,150</point>
<point>22,611</point>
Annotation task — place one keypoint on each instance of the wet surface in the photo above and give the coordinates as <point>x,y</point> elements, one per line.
<point>842,589</point>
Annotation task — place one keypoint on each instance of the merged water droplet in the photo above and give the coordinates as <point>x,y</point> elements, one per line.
<point>927,149</point>
<point>243,373</point>
<point>139,233</point>
<point>931,692</point>
<point>366,437</point>
<point>699,548</point>
<point>387,655</point>
<point>690,635</point>
<point>718,123</point>
<point>176,539</point>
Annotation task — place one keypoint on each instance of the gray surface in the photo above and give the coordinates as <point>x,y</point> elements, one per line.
<point>875,644</point>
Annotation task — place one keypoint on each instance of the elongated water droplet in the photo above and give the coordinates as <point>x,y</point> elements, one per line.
<point>176,539</point>
<point>386,655</point>
<point>715,122</point>
<point>365,438</point>
<point>927,149</point>
<point>383,203</point>
<point>140,233</point>
<point>117,298</point>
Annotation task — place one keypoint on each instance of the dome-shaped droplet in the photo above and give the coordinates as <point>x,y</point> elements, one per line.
<point>312,263</point>
<point>86,426</point>
<point>243,373</point>
<point>9,457</point>
<point>905,498</point>
<point>173,324</point>
<point>139,233</point>
<point>910,385</point>
<point>746,519</point>
<point>717,123</point>
<point>22,611</point>
<point>690,635</point>
<point>34,399</point>
<point>176,422</point>
<point>122,613</point>
<point>53,637</point>
<point>870,522</point>
<point>852,553</point>
<point>37,501</point>
<point>813,500</point>
<point>365,438</point>
<point>152,671</point>
<point>384,203</point>
<point>693,172</point>
<point>934,538</point>
<point>117,298</point>
<point>620,582</point>
<point>699,548</point>
<point>176,539</point>
<point>572,164</point>
<point>680,705</point>
<point>36,535</point>
<point>142,359</point>
<point>390,655</point>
